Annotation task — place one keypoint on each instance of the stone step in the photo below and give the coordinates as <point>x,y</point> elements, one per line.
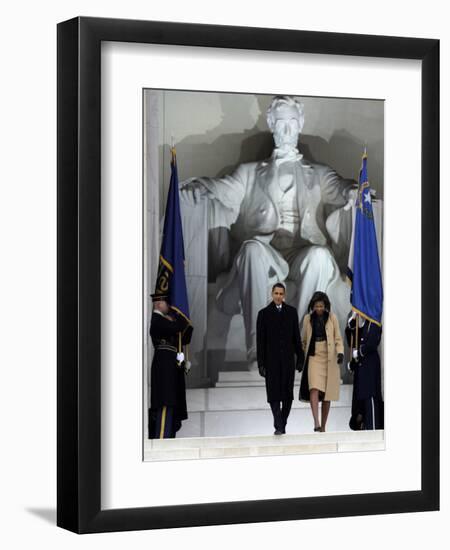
<point>239,378</point>
<point>244,378</point>
<point>246,422</point>
<point>233,379</point>
<point>240,384</point>
<point>263,445</point>
<point>231,398</point>
<point>251,440</point>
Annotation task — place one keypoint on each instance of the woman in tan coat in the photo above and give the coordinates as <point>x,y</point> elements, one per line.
<point>324,351</point>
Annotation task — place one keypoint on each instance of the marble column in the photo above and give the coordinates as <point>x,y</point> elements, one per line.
<point>151,199</point>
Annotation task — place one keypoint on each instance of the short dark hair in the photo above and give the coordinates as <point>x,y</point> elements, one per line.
<point>278,285</point>
<point>319,297</point>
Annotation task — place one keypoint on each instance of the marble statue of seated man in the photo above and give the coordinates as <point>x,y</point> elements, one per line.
<point>267,224</point>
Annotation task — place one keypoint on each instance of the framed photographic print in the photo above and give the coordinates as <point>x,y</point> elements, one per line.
<point>247,125</point>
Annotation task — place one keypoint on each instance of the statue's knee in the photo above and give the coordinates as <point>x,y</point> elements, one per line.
<point>320,255</point>
<point>251,249</point>
<point>252,254</point>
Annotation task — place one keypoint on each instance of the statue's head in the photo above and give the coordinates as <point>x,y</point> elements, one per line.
<point>285,119</point>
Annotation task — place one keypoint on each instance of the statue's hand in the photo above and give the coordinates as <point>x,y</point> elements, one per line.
<point>352,195</point>
<point>192,191</point>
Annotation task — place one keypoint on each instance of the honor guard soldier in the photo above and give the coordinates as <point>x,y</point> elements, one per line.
<point>169,331</point>
<point>363,337</point>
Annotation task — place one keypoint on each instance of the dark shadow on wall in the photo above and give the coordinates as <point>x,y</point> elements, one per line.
<point>337,152</point>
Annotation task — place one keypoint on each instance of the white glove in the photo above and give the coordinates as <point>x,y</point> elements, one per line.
<point>352,318</point>
<point>355,354</point>
<point>180,357</point>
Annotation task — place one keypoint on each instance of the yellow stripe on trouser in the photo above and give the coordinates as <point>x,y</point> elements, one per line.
<point>163,422</point>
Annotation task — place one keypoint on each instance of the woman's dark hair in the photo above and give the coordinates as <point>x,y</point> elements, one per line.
<point>319,297</point>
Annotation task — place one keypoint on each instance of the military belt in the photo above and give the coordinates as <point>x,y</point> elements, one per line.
<point>166,347</point>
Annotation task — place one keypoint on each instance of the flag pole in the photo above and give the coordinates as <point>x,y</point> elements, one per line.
<point>357,333</point>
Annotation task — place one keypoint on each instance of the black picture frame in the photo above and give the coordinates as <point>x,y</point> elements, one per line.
<point>79,276</point>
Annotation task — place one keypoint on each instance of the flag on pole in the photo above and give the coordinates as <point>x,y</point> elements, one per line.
<point>364,269</point>
<point>171,277</point>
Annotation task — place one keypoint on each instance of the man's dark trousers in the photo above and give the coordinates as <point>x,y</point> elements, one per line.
<point>280,414</point>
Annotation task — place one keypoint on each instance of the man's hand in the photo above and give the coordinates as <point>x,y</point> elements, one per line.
<point>340,358</point>
<point>262,370</point>
<point>355,355</point>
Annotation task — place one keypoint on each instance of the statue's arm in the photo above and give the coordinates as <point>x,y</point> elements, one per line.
<point>228,190</point>
<point>336,191</point>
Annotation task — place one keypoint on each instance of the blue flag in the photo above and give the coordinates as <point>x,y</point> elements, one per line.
<point>171,277</point>
<point>364,269</point>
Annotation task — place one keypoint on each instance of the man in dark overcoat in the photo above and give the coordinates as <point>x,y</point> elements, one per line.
<point>278,345</point>
<point>367,401</point>
<point>169,332</point>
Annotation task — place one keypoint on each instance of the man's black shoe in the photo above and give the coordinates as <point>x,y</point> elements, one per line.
<point>278,432</point>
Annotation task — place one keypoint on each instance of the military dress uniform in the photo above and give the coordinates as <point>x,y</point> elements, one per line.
<point>168,390</point>
<point>367,401</point>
